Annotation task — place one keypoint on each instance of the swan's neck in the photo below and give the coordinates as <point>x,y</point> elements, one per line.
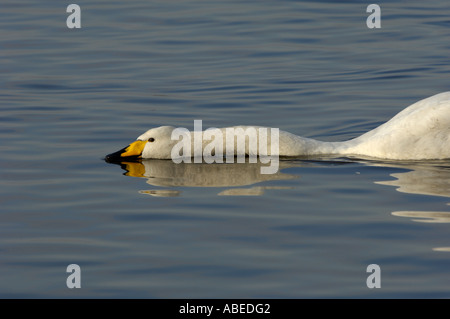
<point>293,145</point>
<point>282,143</point>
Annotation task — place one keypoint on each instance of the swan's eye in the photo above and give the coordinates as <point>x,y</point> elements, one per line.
<point>151,139</point>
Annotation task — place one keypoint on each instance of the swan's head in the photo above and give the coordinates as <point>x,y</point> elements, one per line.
<point>155,143</point>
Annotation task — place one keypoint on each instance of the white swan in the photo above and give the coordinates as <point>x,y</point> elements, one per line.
<point>419,132</point>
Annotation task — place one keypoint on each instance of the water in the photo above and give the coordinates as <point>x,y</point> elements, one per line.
<point>156,230</point>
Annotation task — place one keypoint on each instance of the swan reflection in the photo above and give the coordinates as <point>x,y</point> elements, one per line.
<point>241,179</point>
<point>431,180</point>
<point>163,173</point>
<point>423,179</point>
<point>425,216</point>
<point>419,178</point>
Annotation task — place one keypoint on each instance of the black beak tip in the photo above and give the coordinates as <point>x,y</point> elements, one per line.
<point>111,158</point>
<point>117,157</point>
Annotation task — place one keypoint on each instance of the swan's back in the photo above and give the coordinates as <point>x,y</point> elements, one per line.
<point>421,131</point>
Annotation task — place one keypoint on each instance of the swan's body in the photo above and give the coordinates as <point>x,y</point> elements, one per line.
<point>419,132</point>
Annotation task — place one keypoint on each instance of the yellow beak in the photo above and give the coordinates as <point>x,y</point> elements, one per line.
<point>134,149</point>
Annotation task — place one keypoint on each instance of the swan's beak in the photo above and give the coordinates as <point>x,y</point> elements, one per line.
<point>131,152</point>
